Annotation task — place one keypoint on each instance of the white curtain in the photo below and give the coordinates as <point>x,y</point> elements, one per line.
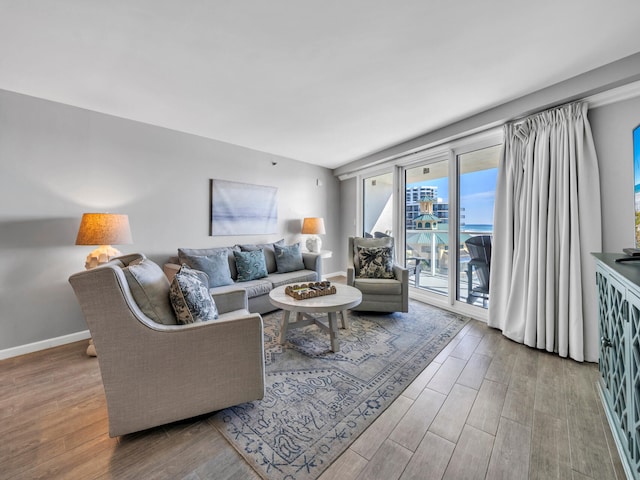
<point>546,224</point>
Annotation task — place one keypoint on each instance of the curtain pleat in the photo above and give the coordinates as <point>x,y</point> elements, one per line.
<point>546,224</point>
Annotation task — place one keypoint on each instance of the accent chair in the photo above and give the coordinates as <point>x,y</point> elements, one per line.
<point>371,269</point>
<point>155,373</point>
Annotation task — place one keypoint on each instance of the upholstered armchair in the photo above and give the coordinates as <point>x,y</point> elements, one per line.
<point>155,373</point>
<point>384,285</point>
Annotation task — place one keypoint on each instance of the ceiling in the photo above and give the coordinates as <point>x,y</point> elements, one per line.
<point>324,82</point>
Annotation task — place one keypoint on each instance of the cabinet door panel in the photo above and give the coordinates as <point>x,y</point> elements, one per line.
<point>602,282</point>
<point>618,376</point>
<point>633,298</point>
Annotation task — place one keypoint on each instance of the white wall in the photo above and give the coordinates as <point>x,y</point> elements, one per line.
<point>57,162</point>
<point>612,127</point>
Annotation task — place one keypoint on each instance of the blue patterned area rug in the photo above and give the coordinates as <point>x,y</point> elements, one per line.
<point>318,402</point>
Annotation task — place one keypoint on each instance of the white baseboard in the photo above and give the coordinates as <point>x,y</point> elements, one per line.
<point>334,274</point>
<point>43,344</point>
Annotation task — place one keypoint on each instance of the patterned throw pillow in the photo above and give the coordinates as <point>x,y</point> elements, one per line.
<point>250,265</point>
<point>375,262</point>
<point>269,252</point>
<point>288,258</point>
<point>190,297</point>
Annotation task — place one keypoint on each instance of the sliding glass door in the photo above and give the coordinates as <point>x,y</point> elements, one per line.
<point>448,226</point>
<point>438,205</point>
<point>427,226</point>
<point>477,173</point>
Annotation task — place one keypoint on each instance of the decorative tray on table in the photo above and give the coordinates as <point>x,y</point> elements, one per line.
<point>310,290</point>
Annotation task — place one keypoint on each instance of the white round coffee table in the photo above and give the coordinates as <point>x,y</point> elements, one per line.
<point>346,297</point>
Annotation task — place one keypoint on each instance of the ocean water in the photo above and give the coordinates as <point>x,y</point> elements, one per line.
<point>477,227</point>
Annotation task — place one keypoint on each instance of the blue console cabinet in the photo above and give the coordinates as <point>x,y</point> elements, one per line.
<point>618,287</point>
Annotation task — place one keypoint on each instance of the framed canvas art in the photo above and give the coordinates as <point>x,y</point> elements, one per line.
<point>242,209</point>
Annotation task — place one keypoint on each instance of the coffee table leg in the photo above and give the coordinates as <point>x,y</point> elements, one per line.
<point>345,320</point>
<point>333,331</point>
<point>283,326</point>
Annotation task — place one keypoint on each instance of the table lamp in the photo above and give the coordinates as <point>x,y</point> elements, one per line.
<point>103,229</point>
<point>313,226</point>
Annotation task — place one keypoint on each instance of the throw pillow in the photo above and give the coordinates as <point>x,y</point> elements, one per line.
<point>288,258</point>
<point>190,297</point>
<point>216,266</point>
<point>369,243</point>
<point>183,253</point>
<point>150,289</point>
<point>269,252</point>
<point>250,265</point>
<point>375,262</point>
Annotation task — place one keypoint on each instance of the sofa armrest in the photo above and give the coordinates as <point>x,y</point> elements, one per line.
<point>401,274</point>
<point>170,270</point>
<point>231,300</point>
<point>313,261</point>
<point>201,367</point>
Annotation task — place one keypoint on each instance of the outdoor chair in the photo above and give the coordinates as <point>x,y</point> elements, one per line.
<point>479,248</point>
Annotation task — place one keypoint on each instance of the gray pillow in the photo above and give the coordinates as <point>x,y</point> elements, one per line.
<point>375,262</point>
<point>250,265</point>
<point>288,258</point>
<point>216,266</point>
<point>190,297</point>
<point>183,253</point>
<point>150,289</point>
<point>269,252</point>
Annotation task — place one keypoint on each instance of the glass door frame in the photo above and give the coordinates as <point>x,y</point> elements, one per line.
<point>449,152</point>
<point>426,158</point>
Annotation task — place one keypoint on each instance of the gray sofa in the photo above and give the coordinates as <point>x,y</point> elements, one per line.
<point>257,290</point>
<point>155,373</point>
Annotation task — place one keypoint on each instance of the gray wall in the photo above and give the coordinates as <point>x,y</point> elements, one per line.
<point>612,127</point>
<point>57,162</point>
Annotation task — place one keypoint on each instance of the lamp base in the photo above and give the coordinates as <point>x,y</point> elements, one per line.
<point>91,349</point>
<point>314,244</point>
<point>101,255</point>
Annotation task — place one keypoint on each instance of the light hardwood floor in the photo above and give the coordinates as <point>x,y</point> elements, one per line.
<point>484,408</point>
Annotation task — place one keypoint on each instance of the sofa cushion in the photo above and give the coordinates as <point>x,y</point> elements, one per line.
<point>269,252</point>
<point>216,266</point>
<point>258,287</point>
<point>378,286</point>
<point>254,288</point>
<point>375,262</point>
<point>150,289</point>
<point>203,252</point>
<point>299,276</point>
<point>190,297</point>
<point>251,265</point>
<point>288,258</point>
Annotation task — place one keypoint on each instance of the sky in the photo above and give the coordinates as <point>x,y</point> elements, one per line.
<point>477,193</point>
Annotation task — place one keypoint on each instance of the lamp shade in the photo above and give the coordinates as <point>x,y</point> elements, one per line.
<point>313,226</point>
<point>104,229</point>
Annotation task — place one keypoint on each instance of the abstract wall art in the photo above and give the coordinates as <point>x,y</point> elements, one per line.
<point>242,209</point>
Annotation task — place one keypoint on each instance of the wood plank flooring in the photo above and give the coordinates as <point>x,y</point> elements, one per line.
<point>486,408</point>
